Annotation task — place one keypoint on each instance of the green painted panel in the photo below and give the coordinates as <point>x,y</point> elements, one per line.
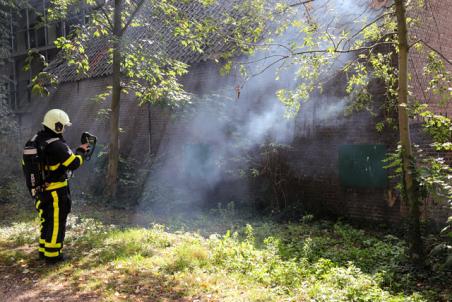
<point>361,166</point>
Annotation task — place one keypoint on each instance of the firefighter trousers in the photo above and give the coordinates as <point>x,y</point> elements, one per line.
<point>53,208</point>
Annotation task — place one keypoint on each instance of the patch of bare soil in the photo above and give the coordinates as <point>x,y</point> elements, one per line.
<point>34,280</point>
<point>26,281</point>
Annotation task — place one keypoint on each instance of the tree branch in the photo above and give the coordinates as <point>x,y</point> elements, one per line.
<point>269,66</point>
<point>301,3</point>
<point>368,25</point>
<point>132,16</point>
<point>263,59</point>
<point>344,50</point>
<point>107,18</point>
<point>433,49</point>
<point>282,58</point>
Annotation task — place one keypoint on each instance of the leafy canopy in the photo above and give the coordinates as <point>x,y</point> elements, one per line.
<point>147,68</point>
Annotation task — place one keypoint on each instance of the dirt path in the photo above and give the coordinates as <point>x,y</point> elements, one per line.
<point>31,279</point>
<point>26,281</point>
<point>24,277</point>
<point>36,281</point>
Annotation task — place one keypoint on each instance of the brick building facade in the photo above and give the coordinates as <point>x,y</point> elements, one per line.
<point>435,31</point>
<point>319,148</point>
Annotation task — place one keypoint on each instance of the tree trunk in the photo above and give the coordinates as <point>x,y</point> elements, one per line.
<point>113,152</point>
<point>410,184</point>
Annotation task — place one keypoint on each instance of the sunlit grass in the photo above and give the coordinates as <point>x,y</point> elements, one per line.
<point>308,261</point>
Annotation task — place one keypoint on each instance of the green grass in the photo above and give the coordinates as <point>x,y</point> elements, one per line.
<point>261,261</point>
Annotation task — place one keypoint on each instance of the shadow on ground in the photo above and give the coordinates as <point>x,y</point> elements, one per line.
<point>26,278</point>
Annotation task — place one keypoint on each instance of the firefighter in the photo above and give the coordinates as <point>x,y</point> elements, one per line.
<point>54,202</point>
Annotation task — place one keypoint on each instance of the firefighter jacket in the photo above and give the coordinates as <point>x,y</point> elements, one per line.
<point>59,159</point>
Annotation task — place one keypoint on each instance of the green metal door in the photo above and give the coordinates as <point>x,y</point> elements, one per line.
<point>361,166</point>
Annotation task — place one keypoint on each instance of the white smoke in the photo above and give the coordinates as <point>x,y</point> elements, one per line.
<point>220,132</point>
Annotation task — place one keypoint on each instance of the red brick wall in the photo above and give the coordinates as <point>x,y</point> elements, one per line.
<point>314,157</point>
<point>76,100</point>
<point>435,30</point>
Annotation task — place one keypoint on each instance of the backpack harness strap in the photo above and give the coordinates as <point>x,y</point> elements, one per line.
<point>32,161</point>
<point>30,151</point>
<point>49,141</point>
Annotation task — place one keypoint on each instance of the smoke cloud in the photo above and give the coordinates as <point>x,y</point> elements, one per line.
<point>217,133</point>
